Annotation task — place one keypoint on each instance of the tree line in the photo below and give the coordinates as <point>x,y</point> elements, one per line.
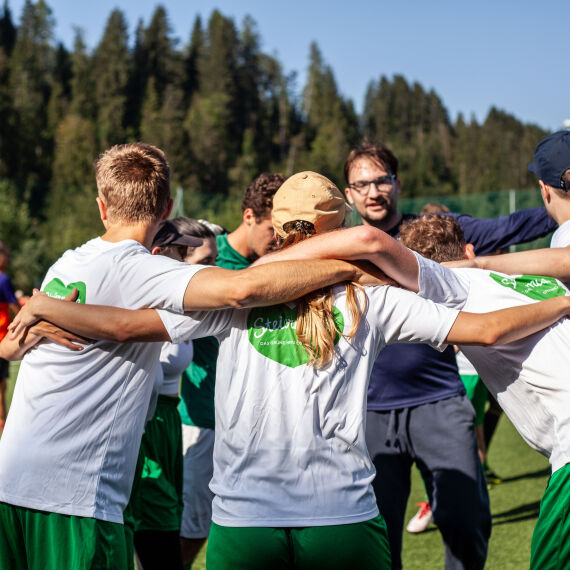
<point>222,110</point>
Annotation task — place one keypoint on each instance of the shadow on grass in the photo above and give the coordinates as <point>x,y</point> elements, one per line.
<point>533,475</point>
<point>521,513</point>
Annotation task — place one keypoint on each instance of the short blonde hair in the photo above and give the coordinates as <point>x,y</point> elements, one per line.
<point>134,182</point>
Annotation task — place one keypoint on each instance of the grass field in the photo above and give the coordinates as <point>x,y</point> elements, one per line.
<point>514,505</point>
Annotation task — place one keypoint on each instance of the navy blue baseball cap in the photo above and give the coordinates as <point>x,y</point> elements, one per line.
<point>552,159</point>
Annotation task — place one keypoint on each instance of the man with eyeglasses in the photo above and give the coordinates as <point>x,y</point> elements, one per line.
<point>417,407</point>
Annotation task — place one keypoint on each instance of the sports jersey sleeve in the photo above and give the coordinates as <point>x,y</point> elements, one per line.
<point>154,281</point>
<point>441,284</point>
<point>405,317</point>
<point>197,324</point>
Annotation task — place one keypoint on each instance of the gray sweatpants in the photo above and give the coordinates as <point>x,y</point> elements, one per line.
<point>439,437</point>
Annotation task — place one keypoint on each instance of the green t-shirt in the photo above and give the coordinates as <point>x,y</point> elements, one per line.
<point>199,379</point>
<point>197,385</point>
<point>228,257</point>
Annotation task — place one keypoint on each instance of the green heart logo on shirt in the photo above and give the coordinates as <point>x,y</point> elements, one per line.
<point>272,332</point>
<point>55,288</point>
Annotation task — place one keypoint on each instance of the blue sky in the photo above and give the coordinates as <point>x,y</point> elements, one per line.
<point>509,54</point>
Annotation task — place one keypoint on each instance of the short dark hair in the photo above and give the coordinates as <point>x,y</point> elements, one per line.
<point>436,236</point>
<point>192,227</point>
<point>376,152</point>
<point>259,194</point>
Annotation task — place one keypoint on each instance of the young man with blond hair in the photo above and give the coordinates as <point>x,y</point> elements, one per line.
<point>68,453</point>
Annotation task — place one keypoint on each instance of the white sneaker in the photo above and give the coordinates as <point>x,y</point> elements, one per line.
<point>420,521</point>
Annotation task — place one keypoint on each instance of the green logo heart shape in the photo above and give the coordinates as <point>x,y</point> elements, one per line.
<point>272,332</point>
<point>55,288</point>
<point>534,286</point>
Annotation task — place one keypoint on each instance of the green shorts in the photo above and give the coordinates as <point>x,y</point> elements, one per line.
<point>157,496</point>
<point>477,393</point>
<point>39,540</point>
<point>360,546</point>
<point>550,546</point>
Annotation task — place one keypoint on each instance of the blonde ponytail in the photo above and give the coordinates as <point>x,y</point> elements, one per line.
<point>317,330</point>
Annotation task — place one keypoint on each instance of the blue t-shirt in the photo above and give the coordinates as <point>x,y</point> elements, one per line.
<point>7,298</point>
<point>407,375</point>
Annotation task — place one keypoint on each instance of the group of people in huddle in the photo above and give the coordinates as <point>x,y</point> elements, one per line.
<point>270,389</point>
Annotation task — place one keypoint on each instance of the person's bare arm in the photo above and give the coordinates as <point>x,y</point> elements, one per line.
<point>507,325</point>
<point>210,288</point>
<point>92,321</point>
<point>359,242</point>
<point>552,262</point>
<point>217,288</point>
<point>15,347</point>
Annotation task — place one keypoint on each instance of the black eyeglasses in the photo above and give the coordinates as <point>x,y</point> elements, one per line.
<point>382,183</point>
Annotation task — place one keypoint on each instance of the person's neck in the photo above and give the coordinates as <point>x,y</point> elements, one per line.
<point>387,223</point>
<point>142,232</point>
<point>561,213</point>
<point>238,240</point>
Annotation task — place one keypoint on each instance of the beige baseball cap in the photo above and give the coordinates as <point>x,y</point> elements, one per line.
<point>310,197</point>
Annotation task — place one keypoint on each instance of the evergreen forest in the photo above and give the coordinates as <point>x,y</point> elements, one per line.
<point>222,110</point>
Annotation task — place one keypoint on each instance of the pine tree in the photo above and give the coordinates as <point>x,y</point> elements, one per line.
<point>61,88</point>
<point>211,123</point>
<point>331,125</point>
<point>208,128</point>
<point>7,124</point>
<point>31,69</point>
<point>71,212</point>
<point>112,64</point>
<point>83,82</point>
<point>217,66</point>
<point>137,82</point>
<point>7,30</point>
<point>194,54</point>
<point>164,105</point>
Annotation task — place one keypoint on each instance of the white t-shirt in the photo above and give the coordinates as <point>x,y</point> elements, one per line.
<point>464,365</point>
<point>561,237</point>
<point>76,420</point>
<point>174,359</point>
<point>290,447</point>
<point>529,377</point>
